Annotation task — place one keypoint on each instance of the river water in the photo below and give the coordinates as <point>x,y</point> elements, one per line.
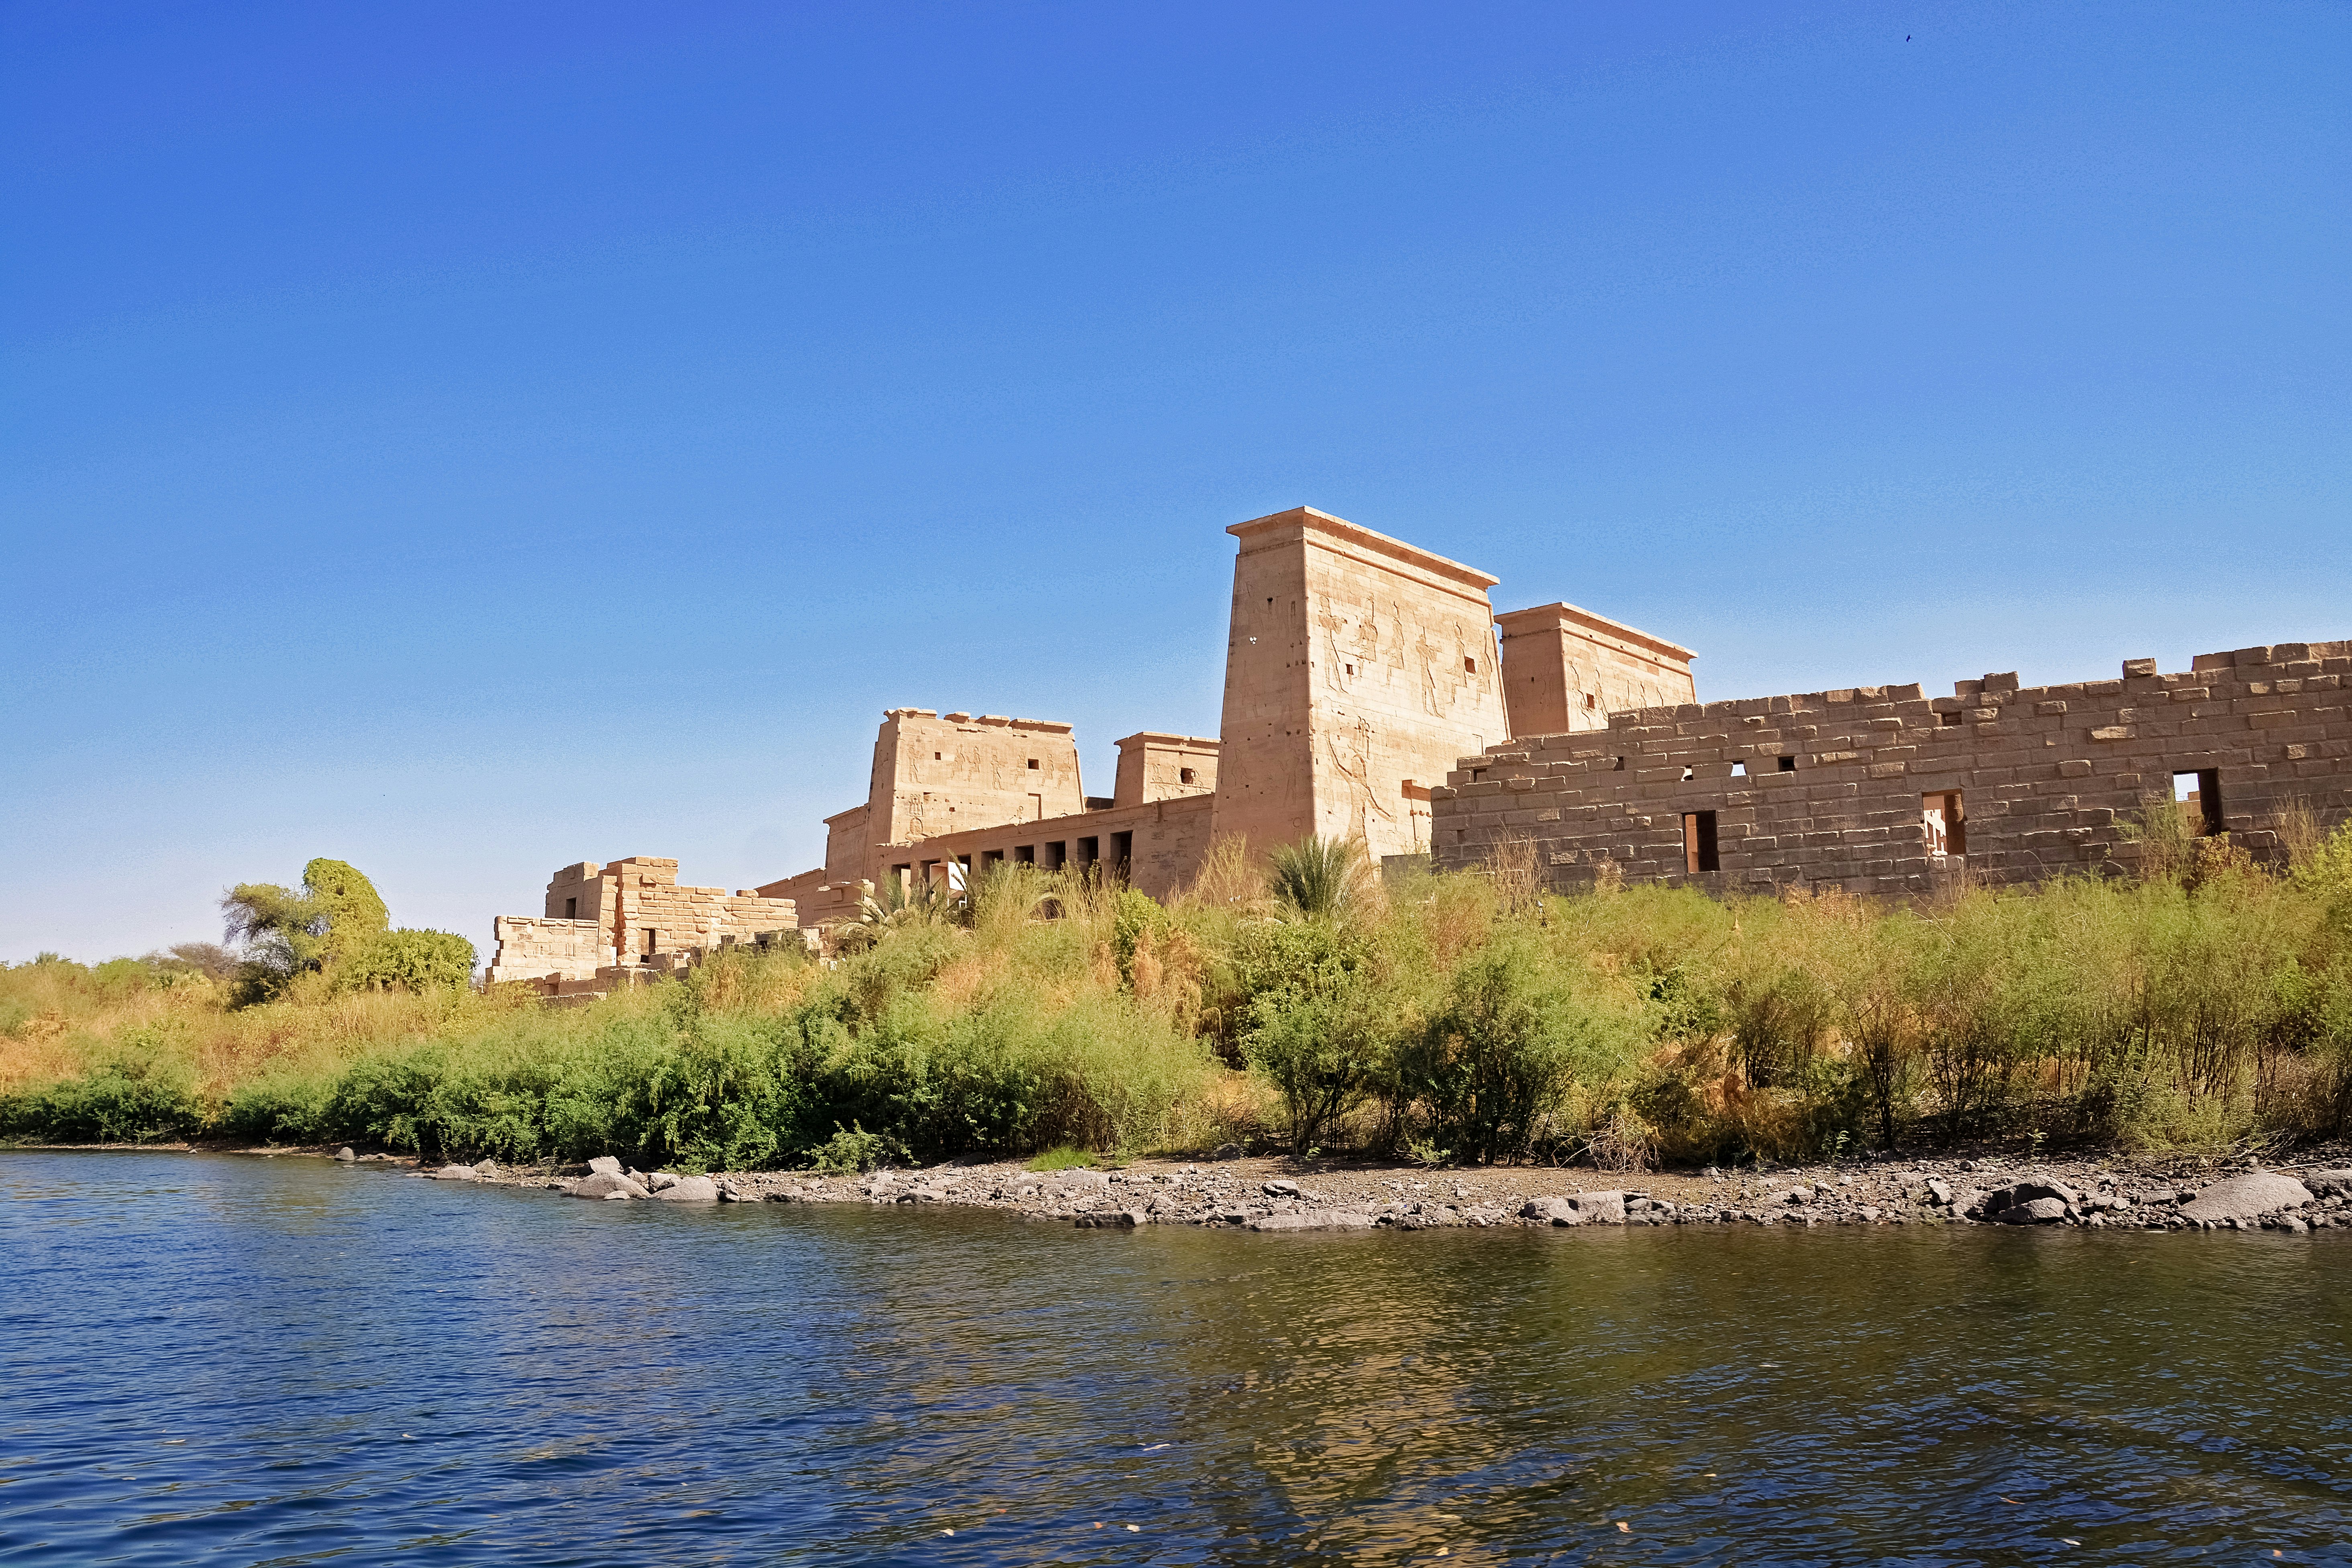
<point>211,1358</point>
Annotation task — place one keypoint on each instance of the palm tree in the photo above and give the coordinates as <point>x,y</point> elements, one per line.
<point>1321,878</point>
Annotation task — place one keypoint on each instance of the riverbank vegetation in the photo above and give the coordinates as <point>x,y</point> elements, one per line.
<point>2204,1003</point>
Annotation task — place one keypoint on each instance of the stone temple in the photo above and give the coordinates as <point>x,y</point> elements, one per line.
<point>1372,693</point>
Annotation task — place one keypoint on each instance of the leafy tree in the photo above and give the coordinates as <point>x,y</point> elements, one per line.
<point>285,931</point>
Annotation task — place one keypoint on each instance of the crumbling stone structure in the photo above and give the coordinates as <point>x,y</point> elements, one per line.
<point>1881,789</point>
<point>632,915</point>
<point>1371,692</point>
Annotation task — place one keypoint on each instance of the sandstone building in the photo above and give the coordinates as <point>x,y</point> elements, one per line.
<point>1881,789</point>
<point>1372,693</point>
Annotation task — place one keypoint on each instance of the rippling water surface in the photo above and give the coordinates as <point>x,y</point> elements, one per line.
<point>221,1359</point>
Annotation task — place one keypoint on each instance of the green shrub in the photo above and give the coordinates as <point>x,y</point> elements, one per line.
<point>123,1102</point>
<point>406,960</point>
<point>1513,1038</point>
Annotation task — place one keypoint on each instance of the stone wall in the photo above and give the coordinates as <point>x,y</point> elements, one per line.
<point>934,774</point>
<point>1357,667</point>
<point>1849,787</point>
<point>1157,847</point>
<point>632,911</point>
<point>534,948</point>
<point>1153,766</point>
<point>1566,669</point>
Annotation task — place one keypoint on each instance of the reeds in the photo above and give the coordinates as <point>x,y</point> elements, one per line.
<point>2204,1002</point>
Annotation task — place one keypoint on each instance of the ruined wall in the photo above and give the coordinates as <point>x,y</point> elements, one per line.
<point>1357,667</point>
<point>935,774</point>
<point>1153,766</point>
<point>533,949</point>
<point>1567,669</point>
<point>628,911</point>
<point>1838,786</point>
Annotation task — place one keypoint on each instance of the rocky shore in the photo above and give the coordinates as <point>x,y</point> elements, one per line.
<point>1272,1195</point>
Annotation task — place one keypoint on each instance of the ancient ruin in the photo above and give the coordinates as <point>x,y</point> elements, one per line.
<point>1371,692</point>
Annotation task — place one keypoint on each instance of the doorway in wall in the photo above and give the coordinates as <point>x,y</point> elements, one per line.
<point>1698,843</point>
<point>1945,821</point>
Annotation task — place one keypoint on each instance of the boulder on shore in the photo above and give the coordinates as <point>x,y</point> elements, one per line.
<point>2249,1197</point>
<point>1600,1208</point>
<point>604,1165</point>
<point>1995,1204</point>
<point>608,1184</point>
<point>2329,1183</point>
<point>344,1156</point>
<point>454,1173</point>
<point>690,1190</point>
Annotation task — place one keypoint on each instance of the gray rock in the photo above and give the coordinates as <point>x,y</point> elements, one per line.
<point>1316,1219</point>
<point>1095,1181</point>
<point>1280,1189</point>
<point>454,1173</point>
<point>487,1170</point>
<point>2249,1197</point>
<point>345,1155</point>
<point>1112,1220</point>
<point>1598,1208</point>
<point>1996,1203</point>
<point>729,1192</point>
<point>1549,1210</point>
<point>690,1190</point>
<point>604,1165</point>
<point>663,1181</point>
<point>1227,1152</point>
<point>608,1184</point>
<point>2032,1211</point>
<point>1796,1195</point>
<point>1939,1191</point>
<point>2327,1183</point>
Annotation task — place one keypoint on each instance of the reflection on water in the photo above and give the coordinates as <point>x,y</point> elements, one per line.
<point>249,1360</point>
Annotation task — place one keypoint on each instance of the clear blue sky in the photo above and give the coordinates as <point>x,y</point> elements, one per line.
<point>467,439</point>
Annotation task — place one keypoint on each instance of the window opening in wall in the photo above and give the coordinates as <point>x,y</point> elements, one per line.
<point>2198,795</point>
<point>1951,719</point>
<point>991,857</point>
<point>1698,842</point>
<point>1739,770</point>
<point>1024,854</point>
<point>1055,853</point>
<point>1352,670</point>
<point>1122,849</point>
<point>1945,822</point>
<point>653,938</point>
<point>1090,851</point>
<point>1590,700</point>
<point>1618,766</point>
<point>935,756</point>
<point>1469,667</point>
<point>1033,764</point>
<point>1788,764</point>
<point>572,909</point>
<point>1689,773</point>
<point>1183,775</point>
